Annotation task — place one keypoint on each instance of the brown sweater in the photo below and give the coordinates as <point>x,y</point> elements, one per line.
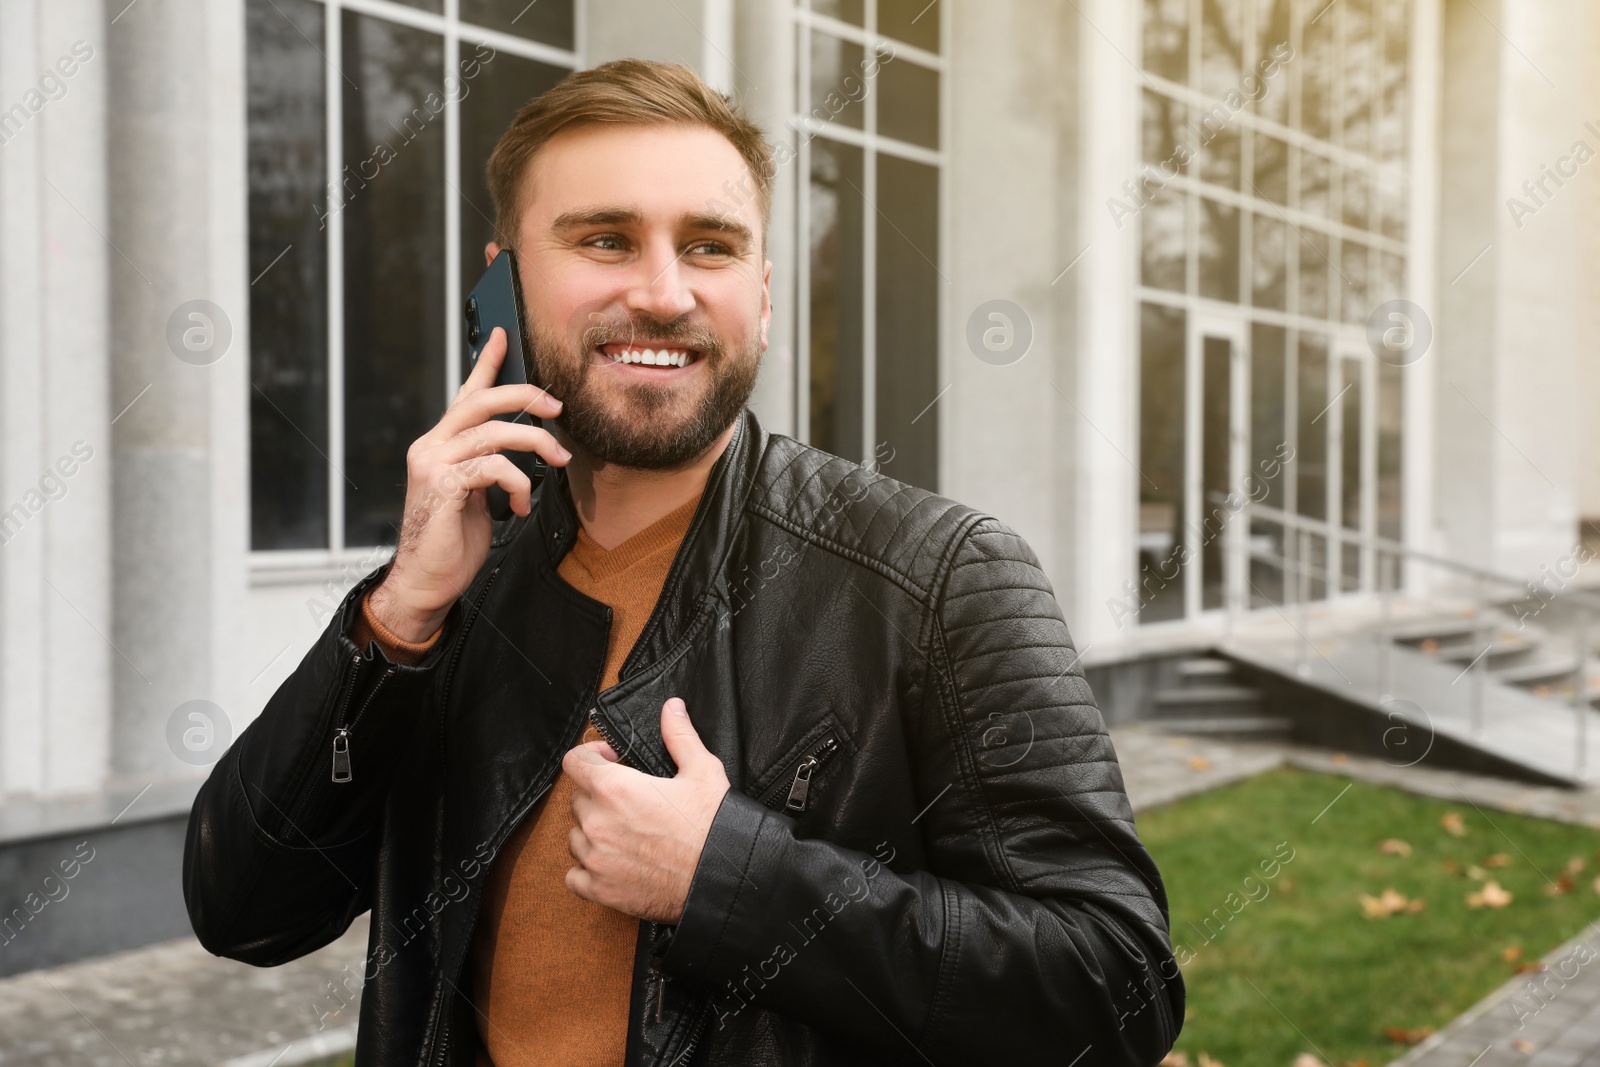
<point>552,973</point>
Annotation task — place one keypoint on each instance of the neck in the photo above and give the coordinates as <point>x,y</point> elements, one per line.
<point>614,503</point>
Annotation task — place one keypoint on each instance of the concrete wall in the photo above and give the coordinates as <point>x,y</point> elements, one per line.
<point>1516,345</point>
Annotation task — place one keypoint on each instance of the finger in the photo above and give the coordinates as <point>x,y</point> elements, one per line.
<point>481,405</point>
<point>579,846</point>
<point>581,882</point>
<point>582,762</point>
<point>498,436</point>
<point>487,367</point>
<point>480,472</point>
<point>605,750</point>
<point>683,742</point>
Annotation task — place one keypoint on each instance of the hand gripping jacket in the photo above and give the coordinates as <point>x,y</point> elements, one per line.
<point>927,854</point>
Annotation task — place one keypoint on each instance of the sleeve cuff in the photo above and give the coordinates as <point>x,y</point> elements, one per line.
<point>742,851</point>
<point>365,628</point>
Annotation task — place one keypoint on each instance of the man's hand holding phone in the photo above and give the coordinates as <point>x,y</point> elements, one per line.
<point>445,536</point>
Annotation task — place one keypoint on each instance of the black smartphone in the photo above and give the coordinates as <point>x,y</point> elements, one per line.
<point>497,301</point>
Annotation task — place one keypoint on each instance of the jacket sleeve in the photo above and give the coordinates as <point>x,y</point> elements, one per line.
<point>278,857</point>
<point>1040,933</point>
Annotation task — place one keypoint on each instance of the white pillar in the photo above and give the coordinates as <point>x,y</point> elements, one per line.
<point>763,80</point>
<point>55,425</point>
<point>178,215</point>
<point>1107,394</point>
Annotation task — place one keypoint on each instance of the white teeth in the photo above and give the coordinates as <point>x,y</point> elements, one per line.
<point>651,358</point>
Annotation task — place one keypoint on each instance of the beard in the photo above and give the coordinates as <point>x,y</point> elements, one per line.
<point>639,424</point>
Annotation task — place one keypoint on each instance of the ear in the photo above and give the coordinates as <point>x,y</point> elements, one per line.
<point>766,302</point>
<point>490,250</point>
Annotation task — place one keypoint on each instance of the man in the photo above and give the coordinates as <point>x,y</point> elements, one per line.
<point>722,750</point>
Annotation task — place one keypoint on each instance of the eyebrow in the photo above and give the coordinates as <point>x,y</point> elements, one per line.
<point>624,216</point>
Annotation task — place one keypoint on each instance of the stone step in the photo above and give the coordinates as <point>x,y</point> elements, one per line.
<point>1202,667</point>
<point>1547,670</point>
<point>1190,696</point>
<point>1227,727</point>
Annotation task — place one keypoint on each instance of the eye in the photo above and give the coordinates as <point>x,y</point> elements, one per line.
<point>716,248</point>
<point>616,242</point>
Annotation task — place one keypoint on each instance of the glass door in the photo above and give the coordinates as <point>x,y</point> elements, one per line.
<point>1217,449</point>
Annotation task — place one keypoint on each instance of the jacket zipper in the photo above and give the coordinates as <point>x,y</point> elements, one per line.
<point>660,979</point>
<point>341,736</point>
<point>344,702</point>
<point>795,790</point>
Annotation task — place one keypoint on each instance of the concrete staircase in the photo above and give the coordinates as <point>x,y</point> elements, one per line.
<point>1208,698</point>
<point>1541,660</point>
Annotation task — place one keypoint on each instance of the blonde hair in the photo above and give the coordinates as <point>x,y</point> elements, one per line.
<point>630,92</point>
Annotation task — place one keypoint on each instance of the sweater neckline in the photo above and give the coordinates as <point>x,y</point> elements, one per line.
<point>667,531</point>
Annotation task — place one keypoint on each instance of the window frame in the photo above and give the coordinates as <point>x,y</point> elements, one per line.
<point>1345,340</point>
<point>279,566</point>
<point>802,125</point>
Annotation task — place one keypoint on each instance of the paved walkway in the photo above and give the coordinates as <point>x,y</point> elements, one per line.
<point>174,1003</point>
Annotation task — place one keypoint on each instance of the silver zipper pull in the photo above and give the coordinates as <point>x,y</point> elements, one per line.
<point>801,785</point>
<point>341,755</point>
<point>661,994</point>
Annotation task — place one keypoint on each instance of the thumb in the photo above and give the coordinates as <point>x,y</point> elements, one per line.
<point>683,742</point>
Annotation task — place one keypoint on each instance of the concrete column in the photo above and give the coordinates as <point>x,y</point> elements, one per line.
<point>1012,439</point>
<point>178,218</point>
<point>55,426</point>
<point>763,81</point>
<point>1106,503</point>
<point>1512,339</point>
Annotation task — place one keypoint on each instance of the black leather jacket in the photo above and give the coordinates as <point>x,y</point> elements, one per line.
<point>926,856</point>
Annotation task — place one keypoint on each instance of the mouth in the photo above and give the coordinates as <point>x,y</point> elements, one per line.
<point>655,358</point>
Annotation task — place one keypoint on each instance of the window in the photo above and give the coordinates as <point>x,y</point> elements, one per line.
<point>1270,204</point>
<point>868,144</point>
<point>369,125</point>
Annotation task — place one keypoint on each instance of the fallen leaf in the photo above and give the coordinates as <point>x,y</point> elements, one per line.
<point>1207,1061</point>
<point>1574,865</point>
<point>1429,645</point>
<point>1499,859</point>
<point>1511,953</point>
<point>1453,824</point>
<point>1529,966</point>
<point>1522,1044</point>
<point>1389,902</point>
<point>1306,1059</point>
<point>1476,873</point>
<point>1395,847</point>
<point>1198,763</point>
<point>1597,884</point>
<point>1407,1037</point>
<point>1559,887</point>
<point>1490,896</point>
<point>1452,867</point>
<point>1175,1059</point>
<point>1340,759</point>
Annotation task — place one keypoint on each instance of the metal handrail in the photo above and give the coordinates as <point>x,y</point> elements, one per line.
<point>1389,553</point>
<point>1394,548</point>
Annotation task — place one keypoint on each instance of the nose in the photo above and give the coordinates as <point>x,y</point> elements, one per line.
<point>660,286</point>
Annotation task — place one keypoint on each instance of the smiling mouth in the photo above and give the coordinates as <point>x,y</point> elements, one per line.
<point>648,355</point>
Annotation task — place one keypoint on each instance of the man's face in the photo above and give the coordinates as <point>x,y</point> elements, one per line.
<point>638,240</point>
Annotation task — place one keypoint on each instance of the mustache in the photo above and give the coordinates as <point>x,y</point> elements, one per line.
<point>679,332</point>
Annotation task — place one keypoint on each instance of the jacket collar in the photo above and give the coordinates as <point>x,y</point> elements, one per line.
<point>700,567</point>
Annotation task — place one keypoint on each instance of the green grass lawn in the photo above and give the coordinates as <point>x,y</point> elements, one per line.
<point>1290,964</point>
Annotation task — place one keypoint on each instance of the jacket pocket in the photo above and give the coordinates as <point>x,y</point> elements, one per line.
<point>792,783</point>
